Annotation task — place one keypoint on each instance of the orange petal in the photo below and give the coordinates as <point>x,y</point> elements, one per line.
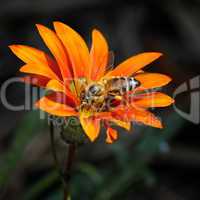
<point>90,125</point>
<point>155,99</point>
<point>76,48</point>
<point>103,115</point>
<point>31,55</point>
<point>98,55</point>
<point>134,64</point>
<point>62,98</point>
<point>55,45</point>
<point>54,108</point>
<point>146,118</point>
<point>124,124</point>
<point>36,80</point>
<point>138,115</point>
<point>55,85</point>
<point>41,69</point>
<point>112,135</point>
<point>152,80</point>
<point>139,72</point>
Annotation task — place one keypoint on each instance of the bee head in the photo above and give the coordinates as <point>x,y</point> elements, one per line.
<point>92,97</point>
<point>95,90</point>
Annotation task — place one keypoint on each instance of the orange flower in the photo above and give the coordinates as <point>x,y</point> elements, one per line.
<point>75,70</point>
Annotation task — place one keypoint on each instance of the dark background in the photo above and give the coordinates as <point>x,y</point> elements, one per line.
<point>147,164</point>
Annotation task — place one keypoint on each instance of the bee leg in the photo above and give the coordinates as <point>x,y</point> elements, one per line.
<point>110,101</point>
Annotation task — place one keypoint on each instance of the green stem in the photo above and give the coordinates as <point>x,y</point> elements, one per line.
<point>53,149</point>
<point>67,170</point>
<point>65,174</point>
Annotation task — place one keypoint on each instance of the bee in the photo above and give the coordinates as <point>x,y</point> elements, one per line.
<point>102,94</point>
<point>119,86</point>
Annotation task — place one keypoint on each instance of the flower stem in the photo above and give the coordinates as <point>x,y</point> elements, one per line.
<point>53,149</point>
<point>65,174</point>
<point>67,170</point>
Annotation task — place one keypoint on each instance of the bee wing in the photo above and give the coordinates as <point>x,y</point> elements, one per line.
<point>111,60</point>
<point>81,84</point>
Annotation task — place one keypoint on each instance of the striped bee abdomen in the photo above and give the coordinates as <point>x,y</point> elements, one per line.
<point>121,85</point>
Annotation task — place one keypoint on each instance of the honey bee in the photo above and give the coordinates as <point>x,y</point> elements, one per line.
<point>101,94</point>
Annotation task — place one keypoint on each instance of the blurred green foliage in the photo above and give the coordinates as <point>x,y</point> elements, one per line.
<point>122,168</point>
<point>22,136</point>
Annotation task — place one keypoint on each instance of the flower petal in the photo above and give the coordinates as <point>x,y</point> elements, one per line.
<point>52,107</point>
<point>152,80</point>
<point>58,50</point>
<point>103,115</point>
<point>76,48</point>
<point>62,99</point>
<point>36,80</point>
<point>41,69</point>
<point>155,99</point>
<point>138,115</point>
<point>98,55</point>
<point>134,64</point>
<point>112,135</point>
<point>146,118</point>
<point>57,86</point>
<point>90,125</point>
<point>124,124</point>
<point>31,55</point>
